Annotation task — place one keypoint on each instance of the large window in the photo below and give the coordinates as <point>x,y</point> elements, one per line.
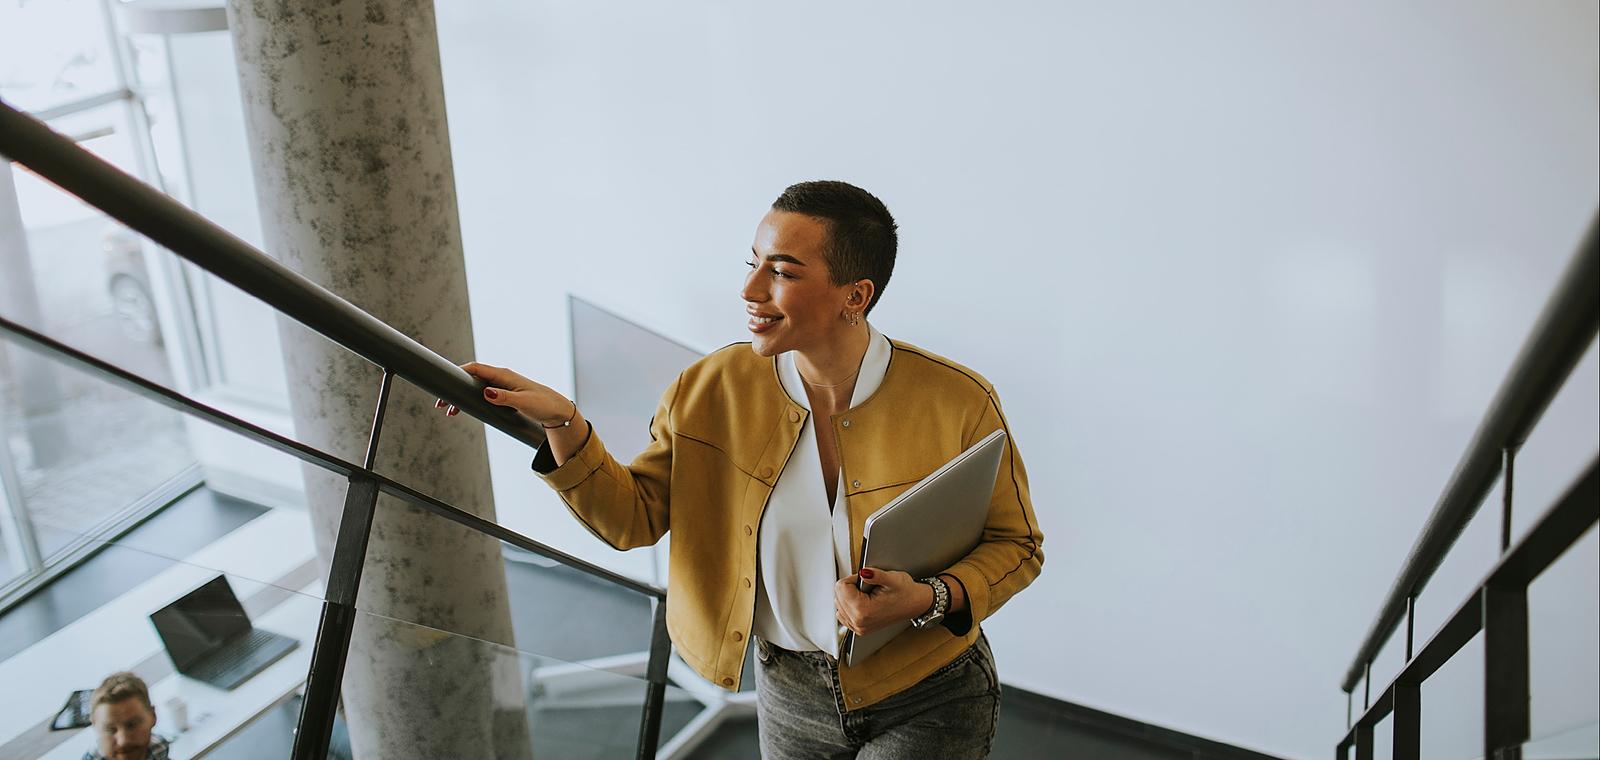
<point>79,458</point>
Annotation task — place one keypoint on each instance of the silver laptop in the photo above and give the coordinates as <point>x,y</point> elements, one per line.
<point>929,527</point>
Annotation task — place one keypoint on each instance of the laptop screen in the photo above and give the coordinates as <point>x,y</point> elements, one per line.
<point>200,622</point>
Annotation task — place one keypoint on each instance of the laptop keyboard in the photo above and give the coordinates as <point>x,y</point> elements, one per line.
<point>235,654</point>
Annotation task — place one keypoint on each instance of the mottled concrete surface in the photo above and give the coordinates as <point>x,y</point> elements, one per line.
<point>344,104</point>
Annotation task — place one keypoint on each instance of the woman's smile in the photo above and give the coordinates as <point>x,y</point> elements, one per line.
<point>760,323</point>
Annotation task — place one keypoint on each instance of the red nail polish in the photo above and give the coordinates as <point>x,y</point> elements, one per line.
<point>491,393</point>
<point>866,572</point>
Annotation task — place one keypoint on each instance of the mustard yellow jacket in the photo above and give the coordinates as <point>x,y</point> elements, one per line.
<point>722,434</point>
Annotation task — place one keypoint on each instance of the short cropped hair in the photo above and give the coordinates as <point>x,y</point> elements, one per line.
<point>120,686</point>
<point>862,234</point>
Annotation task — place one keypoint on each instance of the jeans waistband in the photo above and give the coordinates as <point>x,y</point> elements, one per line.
<point>815,655</point>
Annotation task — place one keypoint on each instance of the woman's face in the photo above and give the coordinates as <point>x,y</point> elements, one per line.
<point>792,303</point>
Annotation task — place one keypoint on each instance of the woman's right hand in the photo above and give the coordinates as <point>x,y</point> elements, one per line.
<point>503,387</point>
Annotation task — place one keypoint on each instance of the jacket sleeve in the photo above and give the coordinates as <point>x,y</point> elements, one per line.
<point>1009,556</point>
<point>624,506</point>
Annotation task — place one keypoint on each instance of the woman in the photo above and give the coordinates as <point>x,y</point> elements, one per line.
<point>764,549</point>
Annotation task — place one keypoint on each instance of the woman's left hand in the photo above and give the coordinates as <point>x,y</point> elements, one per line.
<point>886,596</point>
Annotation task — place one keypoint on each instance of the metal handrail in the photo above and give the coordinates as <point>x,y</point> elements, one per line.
<point>1558,341</point>
<point>175,227</point>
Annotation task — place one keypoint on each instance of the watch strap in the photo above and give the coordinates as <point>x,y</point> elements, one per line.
<point>941,603</point>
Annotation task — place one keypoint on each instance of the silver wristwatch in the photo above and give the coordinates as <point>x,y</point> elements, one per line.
<point>941,603</point>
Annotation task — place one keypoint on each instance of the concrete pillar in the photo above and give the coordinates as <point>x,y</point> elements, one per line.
<point>344,106</point>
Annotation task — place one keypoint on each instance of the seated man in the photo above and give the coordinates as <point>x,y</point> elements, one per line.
<point>123,716</point>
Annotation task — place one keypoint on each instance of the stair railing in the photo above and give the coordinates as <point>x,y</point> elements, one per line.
<point>56,158</point>
<point>1498,605</point>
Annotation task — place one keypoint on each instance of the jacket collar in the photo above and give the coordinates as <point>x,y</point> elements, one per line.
<point>874,365</point>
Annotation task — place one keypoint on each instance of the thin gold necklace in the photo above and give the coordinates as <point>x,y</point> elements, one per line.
<point>820,385</point>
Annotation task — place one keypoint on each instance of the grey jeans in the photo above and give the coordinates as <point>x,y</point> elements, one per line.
<point>950,715</point>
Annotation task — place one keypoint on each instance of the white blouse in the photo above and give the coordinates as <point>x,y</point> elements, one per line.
<point>804,547</point>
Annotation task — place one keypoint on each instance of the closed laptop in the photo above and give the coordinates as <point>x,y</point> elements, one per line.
<point>930,527</point>
<point>210,638</point>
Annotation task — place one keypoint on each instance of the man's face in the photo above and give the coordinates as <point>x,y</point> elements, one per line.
<point>788,294</point>
<point>124,728</point>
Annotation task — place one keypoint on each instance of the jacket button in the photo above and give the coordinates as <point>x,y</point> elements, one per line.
<point>856,700</point>
<point>845,423</point>
<point>738,636</point>
<point>794,415</point>
<point>855,484</point>
<point>749,531</point>
<point>766,472</point>
<point>728,682</point>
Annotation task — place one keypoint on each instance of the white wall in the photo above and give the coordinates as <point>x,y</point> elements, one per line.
<point>1246,276</point>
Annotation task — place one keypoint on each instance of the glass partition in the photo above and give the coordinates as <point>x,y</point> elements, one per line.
<point>490,636</point>
<point>493,700</point>
<point>157,107</point>
<point>423,568</point>
<point>79,457</point>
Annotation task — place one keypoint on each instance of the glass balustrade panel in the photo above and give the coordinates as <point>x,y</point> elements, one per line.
<point>478,698</point>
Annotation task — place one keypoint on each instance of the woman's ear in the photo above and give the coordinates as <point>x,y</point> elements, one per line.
<point>860,295</point>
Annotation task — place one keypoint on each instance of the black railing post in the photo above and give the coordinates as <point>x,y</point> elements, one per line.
<point>1508,464</point>
<point>1366,688</point>
<point>655,694</point>
<point>1407,717</point>
<point>1363,741</point>
<point>1506,719</point>
<point>321,704</point>
<point>1411,626</point>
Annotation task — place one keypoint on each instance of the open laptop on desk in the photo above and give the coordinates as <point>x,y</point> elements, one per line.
<point>209,637</point>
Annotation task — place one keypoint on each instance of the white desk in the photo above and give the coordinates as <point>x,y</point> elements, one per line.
<point>214,714</point>
<point>38,679</point>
